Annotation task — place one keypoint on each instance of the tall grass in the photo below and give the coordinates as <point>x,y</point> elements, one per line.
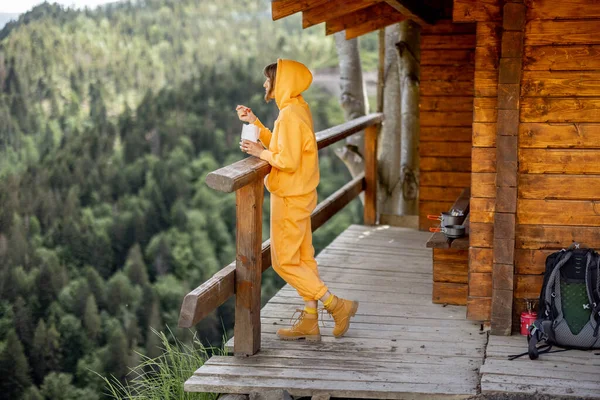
<point>162,378</point>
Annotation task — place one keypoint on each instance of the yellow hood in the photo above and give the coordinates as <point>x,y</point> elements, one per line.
<point>292,79</point>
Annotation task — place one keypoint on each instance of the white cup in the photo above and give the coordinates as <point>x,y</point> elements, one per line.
<point>250,132</point>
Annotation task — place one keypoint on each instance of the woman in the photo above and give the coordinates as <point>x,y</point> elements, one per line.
<point>293,154</point>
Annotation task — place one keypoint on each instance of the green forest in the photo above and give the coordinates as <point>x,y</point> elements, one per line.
<point>110,120</point>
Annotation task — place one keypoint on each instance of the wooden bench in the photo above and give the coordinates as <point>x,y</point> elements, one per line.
<point>451,260</point>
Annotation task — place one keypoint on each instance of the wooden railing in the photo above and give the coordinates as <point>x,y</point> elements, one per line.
<point>243,276</point>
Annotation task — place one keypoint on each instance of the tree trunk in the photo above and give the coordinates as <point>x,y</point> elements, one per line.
<point>408,57</point>
<point>353,99</point>
<point>390,144</point>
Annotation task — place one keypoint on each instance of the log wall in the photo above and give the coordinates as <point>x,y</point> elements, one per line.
<point>446,116</point>
<point>559,132</point>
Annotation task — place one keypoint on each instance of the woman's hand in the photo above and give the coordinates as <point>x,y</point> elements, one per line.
<point>254,149</point>
<point>245,114</point>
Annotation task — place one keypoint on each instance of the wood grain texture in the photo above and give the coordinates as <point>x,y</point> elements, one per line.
<point>504,251</point>
<point>443,42</point>
<point>483,159</point>
<point>370,206</point>
<point>480,260</point>
<point>562,58</point>
<point>450,272</point>
<point>446,88</point>
<point>558,32</point>
<point>487,58</point>
<point>513,16</point>
<point>447,26</point>
<point>508,122</point>
<point>536,237</point>
<point>332,9</point>
<point>452,118</point>
<point>480,284</point>
<point>558,187</point>
<point>360,17</point>
<point>443,102</point>
<point>450,179</point>
<point>481,234</point>
<point>479,308</point>
<point>542,135</point>
<point>489,34</point>
<point>485,109</point>
<point>558,212</point>
<point>486,83</point>
<point>558,161</point>
<point>531,262</point>
<point>448,164</point>
<point>373,24</point>
<point>501,318</point>
<point>445,149</point>
<point>561,83</point>
<point>483,184</point>
<point>484,135</point>
<point>448,57</point>
<point>283,8</point>
<point>448,73</point>
<point>442,193</point>
<point>506,199</point>
<point>248,269</point>
<point>568,9</point>
<point>482,209</point>
<point>450,293</point>
<point>476,10</point>
<point>528,286</point>
<point>445,134</point>
<point>452,256</point>
<point>536,109</point>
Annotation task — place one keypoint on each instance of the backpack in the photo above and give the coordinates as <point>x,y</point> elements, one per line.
<point>569,304</point>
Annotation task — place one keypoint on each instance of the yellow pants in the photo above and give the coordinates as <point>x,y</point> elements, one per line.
<point>292,252</point>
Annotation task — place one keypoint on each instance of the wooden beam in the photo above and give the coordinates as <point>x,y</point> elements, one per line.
<point>283,8</point>
<point>233,177</point>
<point>373,25</point>
<point>415,10</point>
<point>248,270</point>
<point>359,17</point>
<point>332,9</point>
<point>334,203</point>
<point>370,207</point>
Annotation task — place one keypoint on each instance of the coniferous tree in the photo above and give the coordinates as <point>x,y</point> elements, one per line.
<point>135,268</point>
<point>91,318</point>
<point>14,368</point>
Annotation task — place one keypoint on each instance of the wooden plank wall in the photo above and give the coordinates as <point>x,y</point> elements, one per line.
<point>488,18</point>
<point>446,116</point>
<point>559,138</point>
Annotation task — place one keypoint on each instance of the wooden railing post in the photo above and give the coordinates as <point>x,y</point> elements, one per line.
<point>248,270</point>
<point>370,207</point>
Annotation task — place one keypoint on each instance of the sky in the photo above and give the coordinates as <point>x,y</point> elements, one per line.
<point>20,6</point>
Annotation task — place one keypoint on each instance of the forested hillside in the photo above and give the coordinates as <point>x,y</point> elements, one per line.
<point>109,122</point>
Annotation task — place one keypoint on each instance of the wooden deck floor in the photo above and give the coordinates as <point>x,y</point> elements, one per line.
<point>400,345</point>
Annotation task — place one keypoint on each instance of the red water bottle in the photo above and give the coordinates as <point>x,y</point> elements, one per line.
<point>527,318</point>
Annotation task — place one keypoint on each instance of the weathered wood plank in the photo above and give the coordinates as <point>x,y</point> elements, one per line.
<point>535,237</point>
<point>446,88</point>
<point>360,17</point>
<point>480,260</point>
<point>444,149</point>
<point>447,73</point>
<point>480,284</point>
<point>448,164</point>
<point>248,269</point>
<point>528,286</point>
<point>443,42</point>
<point>479,308</point>
<point>441,193</point>
<point>487,58</point>
<point>452,256</point>
<point>560,83</point>
<point>283,8</point>
<point>445,103</point>
<point>485,109</point>
<point>445,134</point>
<point>483,184</point>
<point>536,109</point>
<point>539,135</point>
<point>452,118</point>
<point>481,235</point>
<point>339,132</point>
<point>484,134</point>
<point>489,34</point>
<point>561,58</point>
<point>558,187</point>
<point>373,24</point>
<point>370,206</point>
<point>448,57</point>
<point>531,262</point>
<point>483,159</point>
<point>482,209</point>
<point>554,161</point>
<point>450,179</point>
<point>558,32</point>
<point>450,272</point>
<point>332,9</point>
<point>447,26</point>
<point>568,9</point>
<point>449,293</point>
<point>476,10</point>
<point>486,84</point>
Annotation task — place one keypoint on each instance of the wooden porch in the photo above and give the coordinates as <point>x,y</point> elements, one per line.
<point>400,345</point>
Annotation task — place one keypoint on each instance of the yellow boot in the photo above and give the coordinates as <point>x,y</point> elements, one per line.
<point>341,310</point>
<point>306,327</point>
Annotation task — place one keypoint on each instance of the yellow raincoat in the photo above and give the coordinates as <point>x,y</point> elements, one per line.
<point>293,154</point>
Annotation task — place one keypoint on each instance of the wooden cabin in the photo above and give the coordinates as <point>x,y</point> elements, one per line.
<point>510,134</point>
